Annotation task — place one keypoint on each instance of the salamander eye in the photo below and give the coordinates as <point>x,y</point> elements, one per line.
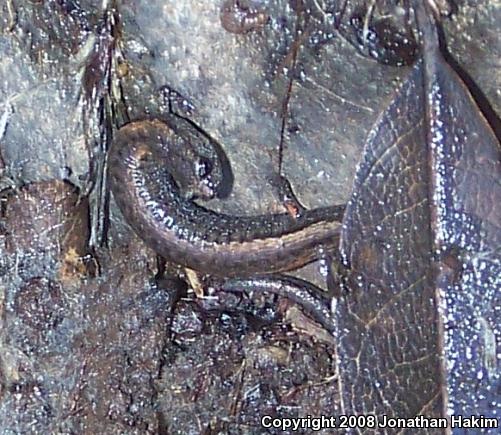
<point>203,167</point>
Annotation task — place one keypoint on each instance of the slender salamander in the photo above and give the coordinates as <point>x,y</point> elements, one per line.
<point>155,173</point>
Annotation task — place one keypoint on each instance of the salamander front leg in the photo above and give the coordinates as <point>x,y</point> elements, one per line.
<point>287,196</point>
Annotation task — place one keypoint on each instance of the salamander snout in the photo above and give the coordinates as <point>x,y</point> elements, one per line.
<point>203,170</point>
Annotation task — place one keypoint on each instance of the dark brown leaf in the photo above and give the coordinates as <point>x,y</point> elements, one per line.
<point>419,332</point>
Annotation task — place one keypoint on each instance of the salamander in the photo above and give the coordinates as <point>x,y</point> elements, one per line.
<point>156,173</point>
